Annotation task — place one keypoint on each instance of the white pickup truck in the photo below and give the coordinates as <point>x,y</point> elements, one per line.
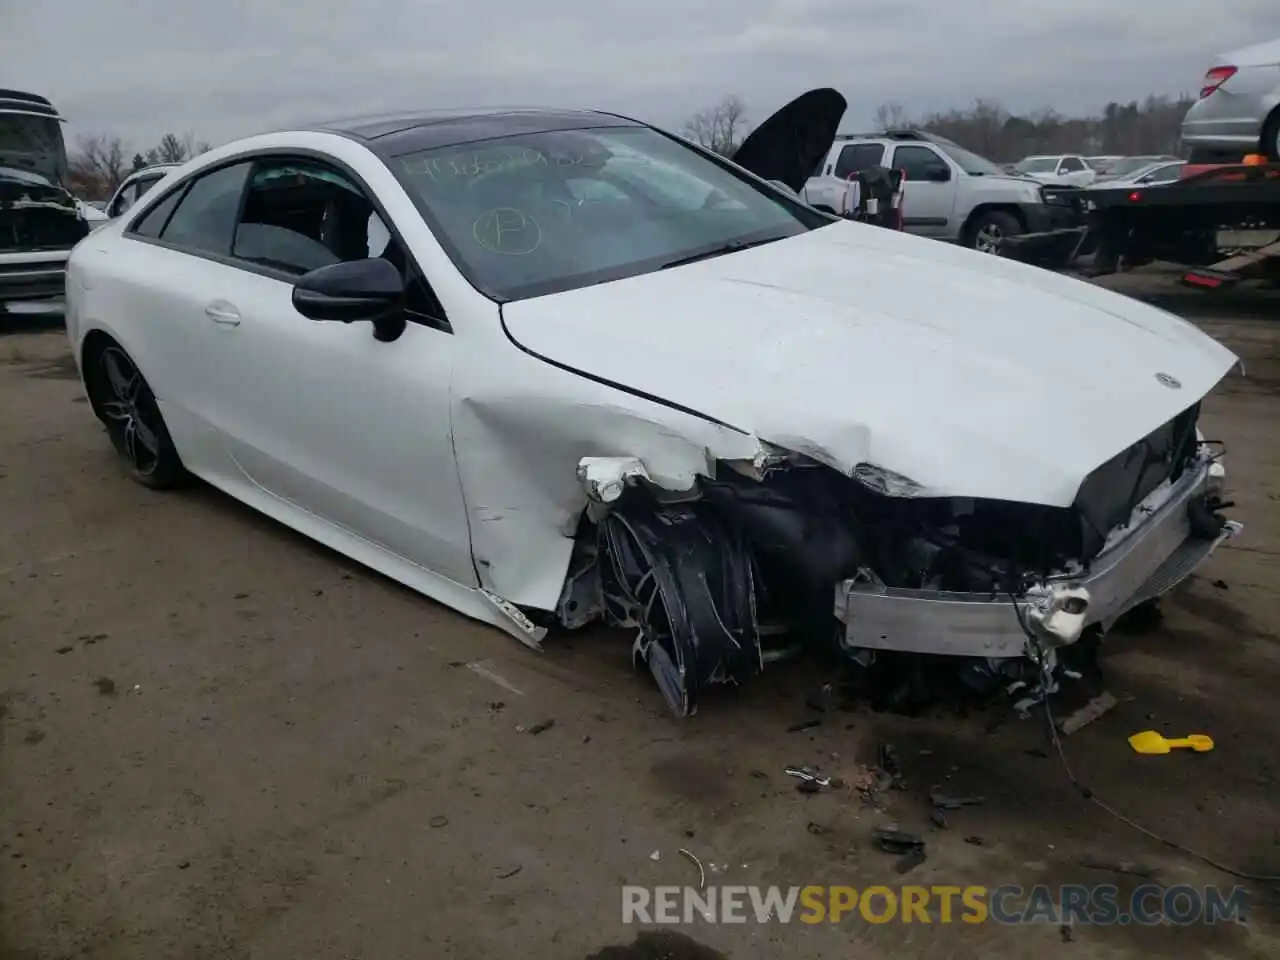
<point>949,193</point>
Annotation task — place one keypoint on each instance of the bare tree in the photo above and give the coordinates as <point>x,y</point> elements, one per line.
<point>173,148</point>
<point>892,116</point>
<point>987,128</point>
<point>100,158</point>
<point>721,128</point>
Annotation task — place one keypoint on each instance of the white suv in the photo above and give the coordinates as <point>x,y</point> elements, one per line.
<point>949,193</point>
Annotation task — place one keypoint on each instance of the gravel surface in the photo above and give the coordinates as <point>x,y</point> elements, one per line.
<point>218,740</point>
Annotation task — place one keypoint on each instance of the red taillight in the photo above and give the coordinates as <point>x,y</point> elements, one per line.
<point>1215,78</point>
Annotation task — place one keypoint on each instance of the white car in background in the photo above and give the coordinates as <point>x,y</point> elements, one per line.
<point>1127,166</point>
<point>91,214</point>
<point>1065,169</point>
<point>558,386</point>
<point>135,186</point>
<point>1162,171</point>
<point>950,193</point>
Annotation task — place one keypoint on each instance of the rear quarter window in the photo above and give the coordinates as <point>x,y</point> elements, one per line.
<point>152,223</point>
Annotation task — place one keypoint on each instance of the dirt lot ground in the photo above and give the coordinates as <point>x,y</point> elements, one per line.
<point>219,740</point>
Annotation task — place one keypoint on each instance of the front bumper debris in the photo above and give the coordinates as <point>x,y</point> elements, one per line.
<point>1160,552</point>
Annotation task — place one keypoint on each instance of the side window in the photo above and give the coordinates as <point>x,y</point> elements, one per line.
<point>1165,174</point>
<point>145,184</point>
<point>300,215</point>
<point>154,220</point>
<point>205,219</point>
<point>915,161</point>
<point>123,200</point>
<point>858,156</point>
<point>1072,165</point>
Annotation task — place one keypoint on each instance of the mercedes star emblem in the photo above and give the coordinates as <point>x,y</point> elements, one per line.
<point>1171,382</point>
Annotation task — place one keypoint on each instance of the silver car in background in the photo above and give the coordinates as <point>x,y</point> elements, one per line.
<point>1239,107</point>
<point>1163,171</point>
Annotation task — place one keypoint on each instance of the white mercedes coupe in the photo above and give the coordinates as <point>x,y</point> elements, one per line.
<point>548,367</point>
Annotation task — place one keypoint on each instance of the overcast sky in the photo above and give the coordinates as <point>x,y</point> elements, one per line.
<point>224,68</point>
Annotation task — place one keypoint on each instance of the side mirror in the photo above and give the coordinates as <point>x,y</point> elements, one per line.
<point>937,173</point>
<point>352,292</point>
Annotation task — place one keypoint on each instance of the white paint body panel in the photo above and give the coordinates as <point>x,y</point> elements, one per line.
<point>972,375</point>
<point>448,460</point>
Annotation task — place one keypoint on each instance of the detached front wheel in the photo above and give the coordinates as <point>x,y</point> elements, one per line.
<point>988,231</point>
<point>125,404</point>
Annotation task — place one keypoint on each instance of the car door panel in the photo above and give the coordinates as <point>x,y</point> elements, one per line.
<point>352,430</point>
<point>927,206</point>
<point>322,416</point>
<point>159,294</point>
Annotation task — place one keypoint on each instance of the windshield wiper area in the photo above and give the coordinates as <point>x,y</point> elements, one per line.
<point>733,246</point>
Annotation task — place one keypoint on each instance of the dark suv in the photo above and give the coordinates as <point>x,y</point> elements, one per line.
<point>39,219</point>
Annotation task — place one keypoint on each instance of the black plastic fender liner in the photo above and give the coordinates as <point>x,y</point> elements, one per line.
<point>798,525</point>
<point>686,580</point>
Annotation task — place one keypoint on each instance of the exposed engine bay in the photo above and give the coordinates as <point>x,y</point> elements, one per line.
<point>714,576</point>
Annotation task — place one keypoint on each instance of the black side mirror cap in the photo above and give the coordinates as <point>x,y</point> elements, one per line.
<point>938,174</point>
<point>356,291</point>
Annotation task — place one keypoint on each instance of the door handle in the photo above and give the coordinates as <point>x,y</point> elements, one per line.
<point>222,312</point>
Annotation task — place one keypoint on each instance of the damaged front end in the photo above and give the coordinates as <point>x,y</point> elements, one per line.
<point>713,575</point>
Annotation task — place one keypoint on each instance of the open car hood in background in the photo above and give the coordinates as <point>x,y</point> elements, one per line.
<point>36,214</point>
<point>792,142</point>
<point>31,135</point>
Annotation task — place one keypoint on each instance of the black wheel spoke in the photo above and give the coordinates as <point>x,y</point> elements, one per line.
<point>130,412</point>
<point>131,441</point>
<point>145,436</point>
<point>121,375</point>
<point>116,410</point>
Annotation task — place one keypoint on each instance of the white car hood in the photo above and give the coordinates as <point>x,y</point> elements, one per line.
<point>969,374</point>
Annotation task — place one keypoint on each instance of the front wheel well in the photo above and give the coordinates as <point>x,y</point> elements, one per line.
<point>95,342</point>
<point>1269,139</point>
<point>978,212</point>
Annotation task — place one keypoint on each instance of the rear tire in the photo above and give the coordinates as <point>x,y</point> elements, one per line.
<point>1271,137</point>
<point>123,401</point>
<point>988,229</point>
<point>1213,155</point>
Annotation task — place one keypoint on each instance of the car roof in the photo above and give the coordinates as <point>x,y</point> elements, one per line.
<point>1259,55</point>
<point>896,136</point>
<point>396,134</point>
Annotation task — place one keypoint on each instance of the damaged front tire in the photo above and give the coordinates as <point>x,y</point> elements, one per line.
<point>685,580</point>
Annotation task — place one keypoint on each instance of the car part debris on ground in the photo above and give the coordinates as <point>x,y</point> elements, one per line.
<point>909,847</point>
<point>702,874</point>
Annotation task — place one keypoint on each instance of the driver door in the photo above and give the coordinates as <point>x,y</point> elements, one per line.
<point>352,431</point>
<point>927,200</point>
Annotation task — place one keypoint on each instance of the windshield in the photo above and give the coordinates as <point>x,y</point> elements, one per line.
<point>34,143</point>
<point>537,213</point>
<point>1037,165</point>
<point>970,163</point>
